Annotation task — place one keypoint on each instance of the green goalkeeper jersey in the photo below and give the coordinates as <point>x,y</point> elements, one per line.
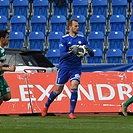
<point>2,58</point>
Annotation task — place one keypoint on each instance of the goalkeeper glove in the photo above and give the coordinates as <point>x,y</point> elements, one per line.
<point>90,52</point>
<point>73,49</point>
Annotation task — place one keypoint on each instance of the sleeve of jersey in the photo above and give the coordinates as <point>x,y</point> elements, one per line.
<point>63,49</point>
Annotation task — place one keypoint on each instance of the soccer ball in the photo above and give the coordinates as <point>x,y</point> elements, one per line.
<point>81,51</point>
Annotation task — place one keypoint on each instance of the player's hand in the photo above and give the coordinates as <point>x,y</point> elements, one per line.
<point>12,68</point>
<point>73,49</point>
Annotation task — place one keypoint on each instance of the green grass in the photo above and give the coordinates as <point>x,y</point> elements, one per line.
<point>62,124</point>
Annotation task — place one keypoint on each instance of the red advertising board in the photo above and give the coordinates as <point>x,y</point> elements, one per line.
<point>98,92</point>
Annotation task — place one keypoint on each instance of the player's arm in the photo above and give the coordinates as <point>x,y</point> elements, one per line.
<point>89,49</point>
<point>7,68</point>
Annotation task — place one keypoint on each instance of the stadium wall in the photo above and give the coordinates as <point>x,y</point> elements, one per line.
<point>98,92</point>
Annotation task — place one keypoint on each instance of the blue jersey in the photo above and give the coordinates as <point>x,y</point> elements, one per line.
<point>70,61</point>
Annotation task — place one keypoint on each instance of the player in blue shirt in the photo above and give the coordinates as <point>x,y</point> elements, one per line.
<point>69,66</point>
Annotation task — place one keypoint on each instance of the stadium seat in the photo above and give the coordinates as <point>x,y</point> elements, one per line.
<point>116,40</point>
<point>54,39</point>
<point>80,7</point>
<point>114,56</point>
<point>130,40</point>
<point>41,7</point>
<point>119,7</point>
<point>18,24</point>
<point>131,22</point>
<point>117,23</point>
<point>100,7</point>
<point>3,22</point>
<point>82,22</point>
<point>61,10</point>
<point>21,7</point>
<point>4,8</point>
<point>58,23</point>
<point>129,55</point>
<point>98,23</point>
<point>36,41</point>
<point>98,57</point>
<point>16,40</point>
<point>38,23</point>
<point>96,40</point>
<point>53,55</point>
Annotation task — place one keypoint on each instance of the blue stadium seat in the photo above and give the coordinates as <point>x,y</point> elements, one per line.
<point>82,22</point>
<point>38,23</point>
<point>16,40</point>
<point>58,23</point>
<point>96,40</point>
<point>80,33</point>
<point>98,57</point>
<point>117,23</point>
<point>119,7</point>
<point>130,40</point>
<point>4,8</point>
<point>54,39</point>
<point>21,7</point>
<point>131,22</point>
<point>100,7</point>
<point>53,55</point>
<point>116,40</point>
<point>41,7</point>
<point>36,41</point>
<point>3,22</point>
<point>80,7</point>
<point>61,10</point>
<point>114,56</point>
<point>18,24</point>
<point>98,23</point>
<point>129,55</point>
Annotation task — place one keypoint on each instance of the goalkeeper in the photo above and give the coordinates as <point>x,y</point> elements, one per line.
<point>69,66</point>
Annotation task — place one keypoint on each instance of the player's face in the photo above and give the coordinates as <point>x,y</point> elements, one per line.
<point>75,27</point>
<point>5,40</point>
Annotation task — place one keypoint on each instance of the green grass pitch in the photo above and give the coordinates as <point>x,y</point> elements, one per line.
<point>62,124</point>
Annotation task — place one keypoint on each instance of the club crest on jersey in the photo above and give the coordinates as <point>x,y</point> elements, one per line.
<point>79,42</point>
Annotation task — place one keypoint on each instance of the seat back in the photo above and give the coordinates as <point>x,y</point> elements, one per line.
<point>80,7</point>
<point>114,56</point>
<point>117,23</point>
<point>60,10</point>
<point>21,7</point>
<point>100,7</point>
<point>36,41</point>
<point>116,40</point>
<point>54,39</point>
<point>58,23</point>
<point>41,7</point>
<point>3,22</point>
<point>131,23</point>
<point>96,40</point>
<point>4,8</point>
<point>98,57</point>
<point>129,55</point>
<point>53,55</point>
<point>98,23</point>
<point>16,40</point>
<point>38,23</point>
<point>119,7</point>
<point>130,40</point>
<point>18,24</point>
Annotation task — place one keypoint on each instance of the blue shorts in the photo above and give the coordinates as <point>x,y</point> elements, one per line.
<point>64,75</point>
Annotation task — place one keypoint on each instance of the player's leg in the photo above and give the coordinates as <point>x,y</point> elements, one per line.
<point>62,78</point>
<point>125,105</point>
<point>75,80</point>
<point>1,101</point>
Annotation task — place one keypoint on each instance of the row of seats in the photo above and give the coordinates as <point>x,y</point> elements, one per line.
<point>95,39</point>
<point>111,56</point>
